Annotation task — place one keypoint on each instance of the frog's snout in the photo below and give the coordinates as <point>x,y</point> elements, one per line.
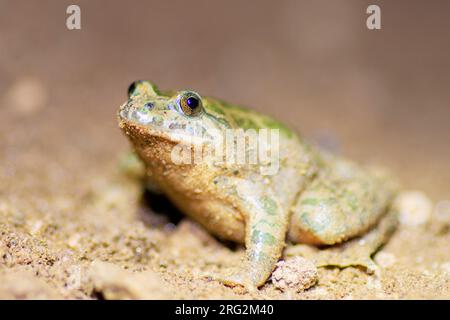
<point>126,121</point>
<point>122,115</point>
<point>142,115</point>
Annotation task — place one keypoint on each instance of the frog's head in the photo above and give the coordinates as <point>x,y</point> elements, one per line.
<point>176,117</point>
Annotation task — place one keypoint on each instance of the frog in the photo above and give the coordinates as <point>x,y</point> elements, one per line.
<point>314,197</point>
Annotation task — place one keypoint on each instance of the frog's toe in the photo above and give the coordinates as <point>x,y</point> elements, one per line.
<point>234,280</point>
<point>361,260</point>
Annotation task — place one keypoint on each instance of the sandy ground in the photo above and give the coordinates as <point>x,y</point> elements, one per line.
<point>72,225</point>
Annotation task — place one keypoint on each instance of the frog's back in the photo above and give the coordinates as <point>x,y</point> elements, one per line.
<point>235,116</point>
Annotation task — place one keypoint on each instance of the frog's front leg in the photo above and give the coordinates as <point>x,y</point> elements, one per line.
<point>266,228</point>
<point>132,166</point>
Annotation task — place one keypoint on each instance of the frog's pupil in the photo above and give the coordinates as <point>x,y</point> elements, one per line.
<point>192,102</point>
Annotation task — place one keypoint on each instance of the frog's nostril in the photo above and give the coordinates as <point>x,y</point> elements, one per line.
<point>149,106</point>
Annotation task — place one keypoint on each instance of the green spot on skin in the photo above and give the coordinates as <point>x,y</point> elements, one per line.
<point>218,119</point>
<point>263,237</point>
<point>310,201</point>
<point>259,257</point>
<point>315,201</point>
<point>144,110</point>
<point>352,202</point>
<point>158,120</point>
<point>269,205</point>
<point>274,124</point>
<point>312,224</point>
<point>211,106</point>
<point>245,123</point>
<point>264,221</point>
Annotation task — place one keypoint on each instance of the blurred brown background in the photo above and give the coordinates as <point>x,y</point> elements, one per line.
<point>376,96</point>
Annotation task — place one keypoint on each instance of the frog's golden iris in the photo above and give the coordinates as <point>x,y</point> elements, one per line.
<point>190,103</point>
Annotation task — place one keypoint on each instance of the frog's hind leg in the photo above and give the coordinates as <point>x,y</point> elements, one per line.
<point>342,202</point>
<point>357,252</point>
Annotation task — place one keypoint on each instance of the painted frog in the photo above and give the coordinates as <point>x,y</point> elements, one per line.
<point>311,197</point>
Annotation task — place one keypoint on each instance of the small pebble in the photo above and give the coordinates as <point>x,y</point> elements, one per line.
<point>34,227</point>
<point>385,259</point>
<point>414,208</point>
<point>27,96</point>
<point>373,283</point>
<point>74,240</point>
<point>296,274</point>
<point>320,291</point>
<point>446,267</point>
<point>441,212</point>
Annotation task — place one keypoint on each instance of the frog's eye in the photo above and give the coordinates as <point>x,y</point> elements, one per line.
<point>190,103</point>
<point>132,88</point>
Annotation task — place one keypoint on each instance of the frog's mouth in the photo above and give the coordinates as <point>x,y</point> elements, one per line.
<point>128,113</point>
<point>142,126</point>
<point>140,133</point>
